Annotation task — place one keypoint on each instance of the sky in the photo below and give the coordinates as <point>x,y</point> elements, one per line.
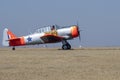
<point>99,20</point>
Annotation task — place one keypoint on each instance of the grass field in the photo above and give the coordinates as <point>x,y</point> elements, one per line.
<point>54,64</point>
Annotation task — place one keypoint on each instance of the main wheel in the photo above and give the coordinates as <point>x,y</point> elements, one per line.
<point>66,47</point>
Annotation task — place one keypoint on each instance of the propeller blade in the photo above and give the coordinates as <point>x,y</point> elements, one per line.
<point>79,36</point>
<point>79,31</point>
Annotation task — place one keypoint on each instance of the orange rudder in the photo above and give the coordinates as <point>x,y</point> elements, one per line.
<point>11,35</point>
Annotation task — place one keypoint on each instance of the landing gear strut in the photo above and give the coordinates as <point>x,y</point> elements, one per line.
<point>13,48</point>
<point>66,45</point>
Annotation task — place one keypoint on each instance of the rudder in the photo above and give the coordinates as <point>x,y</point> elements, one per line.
<point>7,35</point>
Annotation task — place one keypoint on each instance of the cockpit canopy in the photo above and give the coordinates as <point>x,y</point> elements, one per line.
<point>47,28</point>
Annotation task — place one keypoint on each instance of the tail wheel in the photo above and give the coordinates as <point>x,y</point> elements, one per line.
<point>13,48</point>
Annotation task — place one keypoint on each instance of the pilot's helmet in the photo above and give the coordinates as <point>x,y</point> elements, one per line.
<point>53,27</point>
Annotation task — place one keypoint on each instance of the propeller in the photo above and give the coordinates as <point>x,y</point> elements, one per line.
<point>79,32</point>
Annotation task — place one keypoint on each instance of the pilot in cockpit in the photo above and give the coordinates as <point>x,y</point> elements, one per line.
<point>53,27</point>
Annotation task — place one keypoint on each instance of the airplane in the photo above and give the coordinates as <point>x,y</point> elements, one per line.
<point>43,35</point>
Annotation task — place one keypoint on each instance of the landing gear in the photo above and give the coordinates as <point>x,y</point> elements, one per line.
<point>66,45</point>
<point>13,48</point>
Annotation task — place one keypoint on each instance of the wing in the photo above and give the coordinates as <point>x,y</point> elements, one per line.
<point>51,38</point>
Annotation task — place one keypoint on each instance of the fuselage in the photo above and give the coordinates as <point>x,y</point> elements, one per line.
<point>45,35</point>
<point>36,38</point>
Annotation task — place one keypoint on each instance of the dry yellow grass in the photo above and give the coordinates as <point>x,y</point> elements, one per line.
<point>54,64</point>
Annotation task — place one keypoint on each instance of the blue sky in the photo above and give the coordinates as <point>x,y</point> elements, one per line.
<point>99,19</point>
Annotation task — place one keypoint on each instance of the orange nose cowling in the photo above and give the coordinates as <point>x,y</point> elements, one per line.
<point>74,31</point>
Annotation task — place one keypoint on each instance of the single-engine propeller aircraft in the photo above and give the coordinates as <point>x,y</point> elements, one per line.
<point>49,34</point>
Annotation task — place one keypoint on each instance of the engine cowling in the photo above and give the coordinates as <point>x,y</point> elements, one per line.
<point>74,31</point>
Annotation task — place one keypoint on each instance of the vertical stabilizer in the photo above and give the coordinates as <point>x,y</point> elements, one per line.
<point>5,41</point>
<point>7,35</point>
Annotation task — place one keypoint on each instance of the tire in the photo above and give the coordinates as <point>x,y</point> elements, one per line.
<point>13,48</point>
<point>66,47</point>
